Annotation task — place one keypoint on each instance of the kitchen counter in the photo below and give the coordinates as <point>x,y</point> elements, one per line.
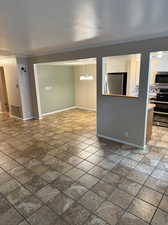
<point>151,106</point>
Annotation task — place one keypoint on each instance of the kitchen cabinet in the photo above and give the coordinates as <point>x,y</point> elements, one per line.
<point>149,122</point>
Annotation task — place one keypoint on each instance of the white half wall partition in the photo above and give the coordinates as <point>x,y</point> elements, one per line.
<point>123,118</point>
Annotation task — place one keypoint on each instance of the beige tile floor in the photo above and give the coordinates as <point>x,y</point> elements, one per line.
<point>57,172</point>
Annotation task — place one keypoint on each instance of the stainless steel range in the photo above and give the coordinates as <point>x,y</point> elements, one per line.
<point>161,100</point>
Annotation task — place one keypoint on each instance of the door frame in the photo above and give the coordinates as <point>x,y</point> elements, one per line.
<point>3,91</point>
<point>36,82</point>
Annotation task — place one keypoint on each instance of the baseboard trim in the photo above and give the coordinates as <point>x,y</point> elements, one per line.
<point>16,117</point>
<point>57,111</point>
<point>28,118</point>
<point>85,108</point>
<point>120,141</point>
<point>3,112</point>
<point>62,110</point>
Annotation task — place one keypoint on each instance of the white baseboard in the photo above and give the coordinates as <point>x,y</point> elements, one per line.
<point>85,108</point>
<point>57,111</point>
<point>16,117</point>
<point>62,110</point>
<point>121,141</point>
<point>28,118</point>
<point>3,112</point>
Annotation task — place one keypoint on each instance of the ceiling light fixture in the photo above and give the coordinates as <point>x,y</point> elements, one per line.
<point>86,77</point>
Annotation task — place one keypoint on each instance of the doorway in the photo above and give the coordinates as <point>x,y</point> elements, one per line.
<point>3,92</point>
<point>158,87</point>
<point>66,85</point>
<point>158,97</point>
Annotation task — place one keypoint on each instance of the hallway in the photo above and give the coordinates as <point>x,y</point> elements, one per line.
<point>55,171</point>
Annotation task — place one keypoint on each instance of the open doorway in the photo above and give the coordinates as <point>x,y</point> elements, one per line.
<point>67,85</point>
<point>3,93</point>
<point>158,91</point>
<point>158,96</point>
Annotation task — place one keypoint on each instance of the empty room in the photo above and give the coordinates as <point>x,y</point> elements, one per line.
<point>83,112</point>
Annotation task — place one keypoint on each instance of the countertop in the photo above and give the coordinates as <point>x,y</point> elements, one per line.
<point>151,106</point>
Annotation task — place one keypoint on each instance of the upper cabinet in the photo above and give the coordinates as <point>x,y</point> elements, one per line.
<point>158,64</point>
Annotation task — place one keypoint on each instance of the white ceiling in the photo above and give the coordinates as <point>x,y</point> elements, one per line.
<point>39,26</point>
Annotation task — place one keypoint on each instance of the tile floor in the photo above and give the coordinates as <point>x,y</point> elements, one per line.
<point>57,172</point>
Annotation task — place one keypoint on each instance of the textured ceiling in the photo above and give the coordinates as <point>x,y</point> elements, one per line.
<point>39,26</point>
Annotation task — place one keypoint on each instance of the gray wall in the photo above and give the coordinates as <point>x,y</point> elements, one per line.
<point>56,87</point>
<point>25,88</point>
<point>116,116</point>
<point>124,118</point>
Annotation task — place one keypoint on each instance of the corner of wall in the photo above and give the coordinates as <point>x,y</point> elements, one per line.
<point>25,87</point>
